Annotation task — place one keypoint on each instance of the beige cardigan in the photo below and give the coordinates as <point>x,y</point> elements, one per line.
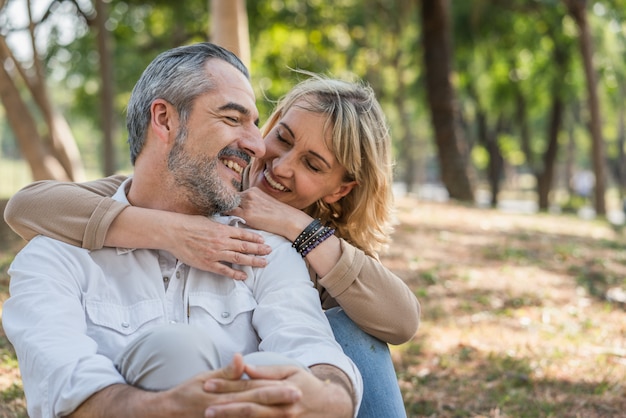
<point>377,300</point>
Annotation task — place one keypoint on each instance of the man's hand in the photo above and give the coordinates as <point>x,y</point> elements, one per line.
<point>318,398</point>
<point>188,399</point>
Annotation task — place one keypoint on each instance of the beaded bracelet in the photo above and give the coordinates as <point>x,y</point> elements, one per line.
<point>325,233</point>
<point>314,237</point>
<point>306,234</point>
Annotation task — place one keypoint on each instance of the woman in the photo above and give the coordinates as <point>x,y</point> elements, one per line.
<point>328,158</point>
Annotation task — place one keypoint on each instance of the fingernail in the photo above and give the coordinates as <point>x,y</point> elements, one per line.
<point>209,413</point>
<point>209,386</point>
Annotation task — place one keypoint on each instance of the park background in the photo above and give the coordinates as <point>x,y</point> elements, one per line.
<point>508,124</point>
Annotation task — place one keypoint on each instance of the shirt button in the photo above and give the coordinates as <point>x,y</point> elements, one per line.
<point>178,274</point>
<point>225,314</point>
<point>166,279</point>
<point>125,325</point>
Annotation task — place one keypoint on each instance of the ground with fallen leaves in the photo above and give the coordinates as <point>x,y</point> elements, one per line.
<point>522,315</point>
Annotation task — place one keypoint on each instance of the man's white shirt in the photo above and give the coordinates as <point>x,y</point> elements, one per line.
<point>71,311</point>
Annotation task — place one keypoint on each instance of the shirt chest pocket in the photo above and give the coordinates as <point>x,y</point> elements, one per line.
<point>124,319</point>
<point>238,306</point>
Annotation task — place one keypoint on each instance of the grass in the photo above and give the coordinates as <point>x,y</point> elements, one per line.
<point>14,175</point>
<point>516,320</point>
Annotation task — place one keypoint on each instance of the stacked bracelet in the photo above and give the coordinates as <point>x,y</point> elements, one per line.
<point>312,236</point>
<point>306,234</point>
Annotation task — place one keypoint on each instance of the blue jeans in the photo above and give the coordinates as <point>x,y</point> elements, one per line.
<point>381,393</point>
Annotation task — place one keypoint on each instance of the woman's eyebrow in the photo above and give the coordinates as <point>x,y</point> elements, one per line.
<point>315,154</point>
<point>288,128</point>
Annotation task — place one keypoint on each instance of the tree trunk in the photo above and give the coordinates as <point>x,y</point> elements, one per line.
<point>546,175</point>
<point>521,116</point>
<point>489,140</point>
<point>42,164</point>
<point>62,144</point>
<point>578,11</point>
<point>620,164</point>
<point>544,178</point>
<point>107,113</point>
<point>570,157</point>
<point>451,145</point>
<point>229,27</point>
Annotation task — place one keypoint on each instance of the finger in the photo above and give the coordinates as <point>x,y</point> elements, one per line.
<point>233,371</point>
<point>273,394</point>
<point>244,259</point>
<point>249,248</point>
<point>244,235</point>
<point>239,410</point>
<point>271,372</point>
<point>227,270</point>
<point>217,385</point>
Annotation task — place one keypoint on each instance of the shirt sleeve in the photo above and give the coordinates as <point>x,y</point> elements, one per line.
<point>45,321</point>
<point>289,318</point>
<point>78,214</point>
<point>377,300</point>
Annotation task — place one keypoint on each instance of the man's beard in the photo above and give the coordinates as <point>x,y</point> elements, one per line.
<point>199,178</point>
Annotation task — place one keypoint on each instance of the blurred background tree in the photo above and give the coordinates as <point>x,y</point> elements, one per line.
<point>487,100</point>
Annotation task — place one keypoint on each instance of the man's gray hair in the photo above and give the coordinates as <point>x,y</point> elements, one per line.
<point>177,76</point>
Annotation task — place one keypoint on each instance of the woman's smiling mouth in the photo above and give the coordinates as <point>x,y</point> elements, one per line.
<point>274,183</point>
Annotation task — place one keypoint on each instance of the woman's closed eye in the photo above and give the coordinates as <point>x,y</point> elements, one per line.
<point>281,138</point>
<point>313,167</point>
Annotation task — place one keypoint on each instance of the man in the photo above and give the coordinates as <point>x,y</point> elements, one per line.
<point>89,328</point>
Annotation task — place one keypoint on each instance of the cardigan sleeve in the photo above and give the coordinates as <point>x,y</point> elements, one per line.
<point>377,300</point>
<point>79,214</point>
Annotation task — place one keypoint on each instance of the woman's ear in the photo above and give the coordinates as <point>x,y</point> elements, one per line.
<point>163,120</point>
<point>343,190</point>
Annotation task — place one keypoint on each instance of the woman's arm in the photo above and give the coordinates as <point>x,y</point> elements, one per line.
<point>84,215</point>
<point>77,214</point>
<point>377,300</point>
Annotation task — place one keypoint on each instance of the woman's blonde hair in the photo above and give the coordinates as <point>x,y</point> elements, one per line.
<point>362,145</point>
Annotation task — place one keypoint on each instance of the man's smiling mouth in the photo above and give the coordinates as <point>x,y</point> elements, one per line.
<point>233,166</point>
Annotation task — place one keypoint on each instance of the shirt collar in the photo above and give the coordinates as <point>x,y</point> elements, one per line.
<point>120,196</point>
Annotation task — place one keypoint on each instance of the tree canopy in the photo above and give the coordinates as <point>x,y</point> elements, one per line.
<point>524,83</point>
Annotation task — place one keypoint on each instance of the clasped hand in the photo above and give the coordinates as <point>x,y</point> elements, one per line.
<point>270,391</point>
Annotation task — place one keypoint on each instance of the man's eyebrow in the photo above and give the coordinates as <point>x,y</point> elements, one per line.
<point>322,159</point>
<point>239,108</point>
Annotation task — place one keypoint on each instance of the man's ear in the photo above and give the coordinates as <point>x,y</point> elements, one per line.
<point>341,191</point>
<point>163,120</point>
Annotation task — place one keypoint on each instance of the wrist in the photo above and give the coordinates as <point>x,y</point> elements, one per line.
<point>296,225</point>
<point>313,235</point>
<point>333,377</point>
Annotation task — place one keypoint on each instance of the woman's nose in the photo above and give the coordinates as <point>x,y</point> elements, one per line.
<point>283,165</point>
<point>253,142</point>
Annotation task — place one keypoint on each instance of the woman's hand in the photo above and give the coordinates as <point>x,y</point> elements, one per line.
<point>205,244</point>
<point>262,211</point>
